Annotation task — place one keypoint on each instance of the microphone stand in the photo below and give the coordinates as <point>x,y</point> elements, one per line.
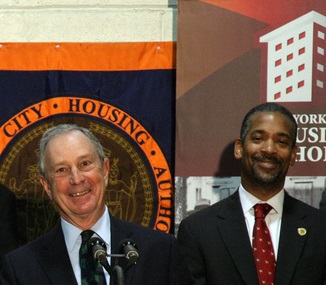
<point>120,275</point>
<point>116,268</point>
<point>97,249</point>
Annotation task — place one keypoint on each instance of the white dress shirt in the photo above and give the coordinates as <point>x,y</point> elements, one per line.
<point>273,219</point>
<point>73,241</point>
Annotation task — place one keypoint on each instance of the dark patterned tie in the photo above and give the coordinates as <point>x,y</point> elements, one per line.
<point>262,246</point>
<point>91,270</point>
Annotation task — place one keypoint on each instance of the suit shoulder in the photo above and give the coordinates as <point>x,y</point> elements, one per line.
<point>142,231</point>
<point>293,203</point>
<point>37,245</point>
<point>293,206</point>
<point>213,210</point>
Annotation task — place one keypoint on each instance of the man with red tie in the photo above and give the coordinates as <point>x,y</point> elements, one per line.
<point>260,235</point>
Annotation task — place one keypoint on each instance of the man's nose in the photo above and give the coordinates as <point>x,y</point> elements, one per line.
<point>269,147</point>
<point>76,176</point>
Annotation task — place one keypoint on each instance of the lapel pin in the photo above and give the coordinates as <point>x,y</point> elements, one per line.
<point>302,231</point>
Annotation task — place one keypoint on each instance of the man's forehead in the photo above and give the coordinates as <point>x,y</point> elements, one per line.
<point>272,117</point>
<point>270,122</point>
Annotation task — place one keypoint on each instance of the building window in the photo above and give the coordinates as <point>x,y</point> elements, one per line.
<point>277,95</point>
<point>303,191</point>
<point>320,50</point>
<point>320,83</point>
<point>321,35</point>
<point>277,79</point>
<point>302,50</point>
<point>320,67</point>
<point>289,90</point>
<point>302,35</point>
<point>278,62</point>
<point>301,84</point>
<point>301,67</point>
<point>290,41</point>
<point>278,47</point>
<point>289,73</point>
<point>289,56</point>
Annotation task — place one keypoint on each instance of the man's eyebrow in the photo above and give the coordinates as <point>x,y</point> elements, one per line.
<point>280,134</point>
<point>285,135</point>
<point>258,131</point>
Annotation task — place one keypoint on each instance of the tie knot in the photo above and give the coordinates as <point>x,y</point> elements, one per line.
<point>86,235</point>
<point>262,209</point>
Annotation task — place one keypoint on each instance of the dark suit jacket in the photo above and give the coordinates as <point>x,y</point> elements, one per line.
<point>46,261</point>
<point>216,245</point>
<point>8,222</point>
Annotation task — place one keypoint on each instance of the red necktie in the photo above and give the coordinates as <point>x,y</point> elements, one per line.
<point>262,246</point>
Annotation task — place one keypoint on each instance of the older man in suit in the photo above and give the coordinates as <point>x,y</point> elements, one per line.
<point>74,173</point>
<point>220,243</point>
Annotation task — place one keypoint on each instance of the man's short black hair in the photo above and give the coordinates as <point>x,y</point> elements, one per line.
<point>268,107</point>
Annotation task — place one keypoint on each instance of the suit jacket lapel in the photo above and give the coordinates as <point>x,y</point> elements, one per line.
<point>291,243</point>
<point>232,227</point>
<point>54,259</point>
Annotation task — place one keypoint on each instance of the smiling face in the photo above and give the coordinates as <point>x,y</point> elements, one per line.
<point>266,153</point>
<point>76,179</point>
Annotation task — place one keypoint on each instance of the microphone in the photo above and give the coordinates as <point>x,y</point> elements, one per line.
<point>97,249</point>
<point>129,249</point>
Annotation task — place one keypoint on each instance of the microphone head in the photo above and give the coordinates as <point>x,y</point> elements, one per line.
<point>97,248</point>
<point>129,248</point>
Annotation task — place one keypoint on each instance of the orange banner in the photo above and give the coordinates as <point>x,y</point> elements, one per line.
<point>81,56</point>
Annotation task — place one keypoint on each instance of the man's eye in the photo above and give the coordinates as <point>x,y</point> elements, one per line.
<point>87,165</point>
<point>62,171</point>
<point>256,139</point>
<point>284,142</point>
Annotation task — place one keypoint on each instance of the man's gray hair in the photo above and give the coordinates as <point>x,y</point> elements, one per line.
<point>54,131</point>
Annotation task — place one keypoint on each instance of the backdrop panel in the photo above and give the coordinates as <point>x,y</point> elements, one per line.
<point>233,55</point>
<point>124,93</point>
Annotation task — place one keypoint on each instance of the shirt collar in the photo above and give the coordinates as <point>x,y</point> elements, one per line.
<point>101,228</point>
<point>248,201</point>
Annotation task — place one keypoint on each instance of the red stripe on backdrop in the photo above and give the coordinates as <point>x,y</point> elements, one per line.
<point>271,11</point>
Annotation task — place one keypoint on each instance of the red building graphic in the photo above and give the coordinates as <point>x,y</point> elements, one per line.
<point>296,61</point>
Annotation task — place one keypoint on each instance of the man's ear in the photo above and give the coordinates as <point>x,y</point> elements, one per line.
<point>106,170</point>
<point>238,147</point>
<point>46,186</point>
<point>293,155</point>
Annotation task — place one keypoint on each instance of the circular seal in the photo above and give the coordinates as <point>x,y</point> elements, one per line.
<point>140,182</point>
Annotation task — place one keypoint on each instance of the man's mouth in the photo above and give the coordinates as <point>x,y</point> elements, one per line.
<point>78,194</point>
<point>268,159</point>
<point>268,162</point>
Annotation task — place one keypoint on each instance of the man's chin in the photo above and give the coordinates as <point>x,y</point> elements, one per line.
<point>267,179</point>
